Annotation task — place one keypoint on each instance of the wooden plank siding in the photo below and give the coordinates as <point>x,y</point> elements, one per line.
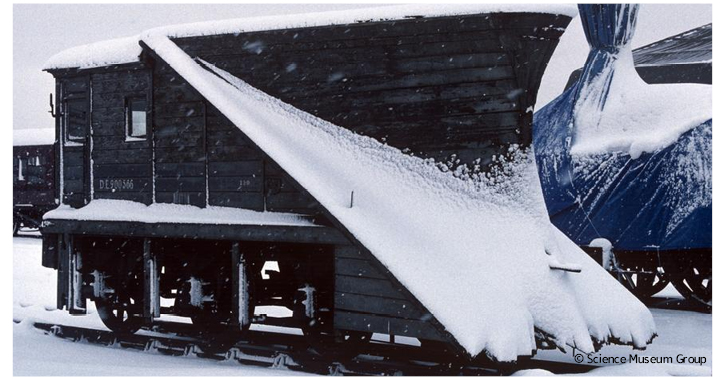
<point>463,93</point>
<point>121,169</point>
<point>202,158</point>
<point>179,121</point>
<point>369,298</point>
<point>72,173</point>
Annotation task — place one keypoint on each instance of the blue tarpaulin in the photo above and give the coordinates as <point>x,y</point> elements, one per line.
<point>659,200</point>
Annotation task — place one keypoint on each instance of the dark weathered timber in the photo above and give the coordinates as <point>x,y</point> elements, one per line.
<point>359,268</point>
<point>368,286</point>
<point>250,201</point>
<point>73,106</point>
<point>365,292</point>
<point>387,84</point>
<point>395,326</point>
<point>193,139</point>
<point>122,169</point>
<point>403,309</point>
<point>127,171</point>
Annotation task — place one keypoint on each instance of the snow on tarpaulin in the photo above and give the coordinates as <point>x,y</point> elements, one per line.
<point>38,136</point>
<point>476,252</point>
<point>127,50</point>
<point>128,211</point>
<point>623,160</point>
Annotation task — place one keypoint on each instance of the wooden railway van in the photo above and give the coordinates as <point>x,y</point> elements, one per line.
<point>456,89</point>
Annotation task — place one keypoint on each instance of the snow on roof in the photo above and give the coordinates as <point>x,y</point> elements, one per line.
<point>637,117</point>
<point>105,53</point>
<point>126,50</point>
<point>39,136</point>
<point>476,253</point>
<point>128,211</point>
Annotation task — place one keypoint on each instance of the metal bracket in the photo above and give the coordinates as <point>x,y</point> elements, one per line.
<point>151,300</point>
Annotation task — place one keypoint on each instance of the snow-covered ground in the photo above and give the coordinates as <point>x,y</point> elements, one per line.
<point>680,332</point>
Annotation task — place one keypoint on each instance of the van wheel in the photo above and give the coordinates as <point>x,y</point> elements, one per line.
<point>120,313</point>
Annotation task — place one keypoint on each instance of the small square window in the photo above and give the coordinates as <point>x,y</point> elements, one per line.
<point>136,118</point>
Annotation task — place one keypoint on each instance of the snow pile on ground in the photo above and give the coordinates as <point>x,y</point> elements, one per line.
<point>637,117</point>
<point>37,354</point>
<point>38,136</point>
<point>122,210</point>
<point>34,288</point>
<point>126,50</point>
<point>633,369</point>
<point>428,227</point>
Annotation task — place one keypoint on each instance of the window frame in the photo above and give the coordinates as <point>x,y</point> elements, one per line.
<point>70,140</point>
<point>128,112</point>
<point>21,177</point>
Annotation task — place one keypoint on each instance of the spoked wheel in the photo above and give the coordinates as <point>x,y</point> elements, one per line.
<point>120,313</point>
<point>217,318</point>
<point>695,283</point>
<point>206,318</point>
<point>643,283</point>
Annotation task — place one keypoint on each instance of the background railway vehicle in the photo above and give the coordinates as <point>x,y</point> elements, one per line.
<point>626,162</point>
<point>379,157</point>
<point>682,58</point>
<point>33,177</point>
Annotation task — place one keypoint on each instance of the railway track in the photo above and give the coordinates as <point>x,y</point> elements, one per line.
<point>284,351</point>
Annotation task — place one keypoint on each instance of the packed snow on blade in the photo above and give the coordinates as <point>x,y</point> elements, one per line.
<point>429,227</point>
